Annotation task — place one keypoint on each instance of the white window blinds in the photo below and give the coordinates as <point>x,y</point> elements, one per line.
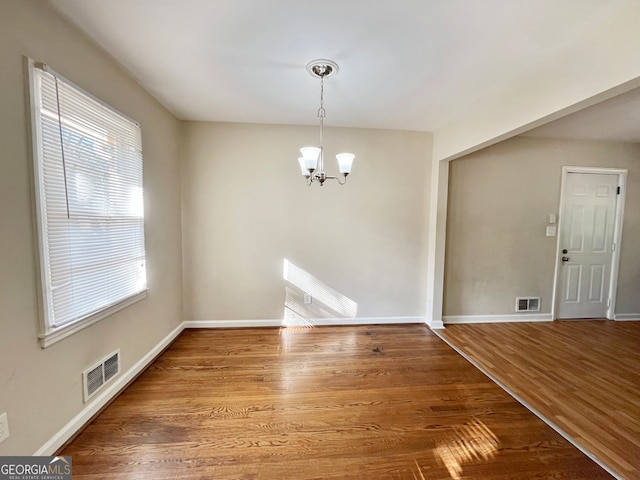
<point>88,172</point>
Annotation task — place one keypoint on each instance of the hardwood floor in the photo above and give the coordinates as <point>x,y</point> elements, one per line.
<point>370,402</point>
<point>583,376</point>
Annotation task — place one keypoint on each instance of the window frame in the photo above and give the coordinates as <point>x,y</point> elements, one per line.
<point>50,334</point>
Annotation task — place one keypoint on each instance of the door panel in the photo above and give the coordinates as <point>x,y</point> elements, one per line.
<point>596,283</point>
<point>587,237</point>
<point>599,233</point>
<point>572,287</point>
<point>576,234</point>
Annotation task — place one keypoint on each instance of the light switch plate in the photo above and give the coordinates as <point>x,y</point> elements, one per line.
<point>552,218</point>
<point>551,230</point>
<point>4,427</point>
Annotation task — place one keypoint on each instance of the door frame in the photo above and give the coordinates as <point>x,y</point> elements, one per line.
<point>617,233</point>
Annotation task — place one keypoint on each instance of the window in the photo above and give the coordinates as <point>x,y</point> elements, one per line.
<point>89,200</point>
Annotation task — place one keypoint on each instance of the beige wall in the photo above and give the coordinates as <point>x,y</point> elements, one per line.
<point>246,208</point>
<point>41,389</point>
<point>499,202</point>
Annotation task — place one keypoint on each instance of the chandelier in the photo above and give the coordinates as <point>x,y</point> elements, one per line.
<point>312,160</point>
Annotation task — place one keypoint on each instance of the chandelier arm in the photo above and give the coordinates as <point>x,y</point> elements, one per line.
<point>331,177</point>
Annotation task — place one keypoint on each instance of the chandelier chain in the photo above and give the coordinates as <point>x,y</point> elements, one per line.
<point>321,111</point>
<point>321,115</point>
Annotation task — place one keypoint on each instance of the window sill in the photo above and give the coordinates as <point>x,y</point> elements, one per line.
<point>54,335</point>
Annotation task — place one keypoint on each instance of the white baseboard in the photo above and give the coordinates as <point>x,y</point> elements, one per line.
<point>436,324</point>
<point>521,317</point>
<point>104,397</point>
<point>232,323</point>
<point>311,322</point>
<point>626,316</point>
<point>368,321</point>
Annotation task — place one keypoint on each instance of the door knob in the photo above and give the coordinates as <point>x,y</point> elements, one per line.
<point>565,259</point>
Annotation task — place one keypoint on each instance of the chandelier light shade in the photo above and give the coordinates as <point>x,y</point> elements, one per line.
<point>312,159</point>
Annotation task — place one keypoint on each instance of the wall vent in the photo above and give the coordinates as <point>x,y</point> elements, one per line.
<point>97,376</point>
<point>527,304</point>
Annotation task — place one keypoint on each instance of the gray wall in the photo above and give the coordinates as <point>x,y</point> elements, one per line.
<point>41,389</point>
<point>499,202</point>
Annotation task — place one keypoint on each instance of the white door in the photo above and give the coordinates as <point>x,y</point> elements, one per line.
<point>586,244</point>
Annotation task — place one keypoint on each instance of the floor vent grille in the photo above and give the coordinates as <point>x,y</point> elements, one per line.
<point>527,304</point>
<point>97,376</point>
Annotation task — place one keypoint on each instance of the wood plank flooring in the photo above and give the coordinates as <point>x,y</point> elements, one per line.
<point>583,376</point>
<point>370,402</point>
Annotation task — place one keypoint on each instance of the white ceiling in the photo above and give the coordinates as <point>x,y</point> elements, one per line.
<point>404,64</point>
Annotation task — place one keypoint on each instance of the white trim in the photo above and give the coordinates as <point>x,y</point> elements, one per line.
<point>232,323</point>
<point>617,232</point>
<point>310,321</point>
<point>435,324</point>
<point>54,335</point>
<point>617,239</point>
<point>77,422</point>
<point>38,193</point>
<point>530,408</point>
<point>46,68</point>
<point>626,317</point>
<point>436,243</point>
<point>522,317</point>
